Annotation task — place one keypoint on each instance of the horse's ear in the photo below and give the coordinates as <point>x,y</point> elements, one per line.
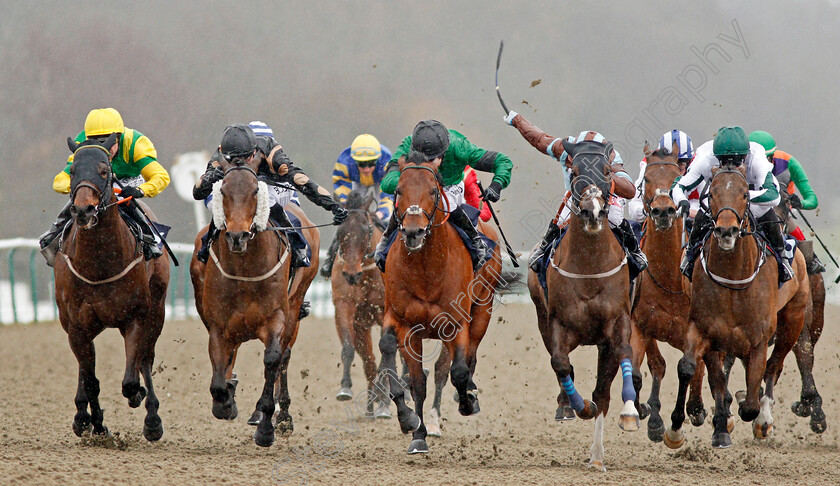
<point>368,201</point>
<point>675,149</point>
<point>647,149</point>
<point>401,162</point>
<point>569,147</point>
<point>109,142</point>
<point>72,144</point>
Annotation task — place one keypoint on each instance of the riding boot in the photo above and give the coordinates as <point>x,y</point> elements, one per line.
<point>207,240</point>
<point>147,236</point>
<point>49,240</point>
<point>279,215</point>
<point>551,234</point>
<point>771,227</point>
<point>460,219</point>
<point>631,245</point>
<point>812,262</point>
<point>815,266</point>
<point>326,267</point>
<point>698,231</point>
<point>379,254</point>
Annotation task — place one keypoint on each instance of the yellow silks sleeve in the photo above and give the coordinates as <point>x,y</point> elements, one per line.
<point>61,183</point>
<point>157,178</point>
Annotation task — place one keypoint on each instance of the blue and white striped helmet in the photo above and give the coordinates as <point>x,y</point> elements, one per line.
<point>684,146</point>
<point>589,135</point>
<point>261,128</point>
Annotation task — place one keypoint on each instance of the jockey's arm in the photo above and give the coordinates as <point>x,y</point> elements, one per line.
<point>622,183</point>
<point>392,169</point>
<point>800,180</point>
<point>385,206</point>
<point>636,206</point>
<point>204,186</point>
<point>157,178</point>
<point>342,184</point>
<point>537,138</point>
<point>767,193</point>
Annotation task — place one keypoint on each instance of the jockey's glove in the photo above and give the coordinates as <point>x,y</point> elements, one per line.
<point>493,192</point>
<point>684,207</point>
<point>509,118</point>
<point>794,201</point>
<point>339,214</point>
<point>131,191</point>
<point>215,174</point>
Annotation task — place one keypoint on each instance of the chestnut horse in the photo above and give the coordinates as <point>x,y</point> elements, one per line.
<point>431,292</point>
<point>736,304</point>
<point>660,307</point>
<point>102,281</point>
<point>243,293</point>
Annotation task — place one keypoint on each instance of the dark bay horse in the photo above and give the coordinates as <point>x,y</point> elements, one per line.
<point>102,281</point>
<point>358,293</point>
<point>431,292</point>
<point>736,307</point>
<point>588,298</point>
<point>243,293</point>
<point>661,304</point>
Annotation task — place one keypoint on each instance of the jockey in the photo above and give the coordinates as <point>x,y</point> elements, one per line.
<point>450,152</point>
<point>239,142</point>
<point>731,147</point>
<point>624,189</point>
<point>472,193</point>
<point>791,176</point>
<point>685,154</point>
<point>360,167</point>
<point>133,162</point>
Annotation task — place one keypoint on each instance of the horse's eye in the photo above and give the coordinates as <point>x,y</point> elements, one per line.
<point>647,181</point>
<point>433,192</point>
<point>746,195</point>
<point>256,191</point>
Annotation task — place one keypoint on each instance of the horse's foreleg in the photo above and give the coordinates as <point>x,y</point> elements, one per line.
<point>364,347</point>
<point>561,343</point>
<point>409,421</point>
<point>619,353</point>
<point>639,343</point>
<point>717,382</point>
<point>152,425</point>
<point>344,316</point>
<point>810,402</point>
<point>695,346</point>
<point>285,424</point>
<point>459,373</point>
<point>412,349</point>
<point>264,435</point>
<point>442,367</point>
<point>748,405</point>
<point>657,367</point>
<point>87,392</point>
<point>694,407</point>
<point>135,336</point>
<point>221,356</point>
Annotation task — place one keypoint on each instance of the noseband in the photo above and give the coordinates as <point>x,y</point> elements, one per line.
<point>415,209</point>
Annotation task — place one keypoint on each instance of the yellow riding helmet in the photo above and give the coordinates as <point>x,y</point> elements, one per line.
<point>103,121</point>
<point>365,147</point>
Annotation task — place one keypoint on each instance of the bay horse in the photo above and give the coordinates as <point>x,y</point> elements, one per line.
<point>102,281</point>
<point>243,293</point>
<point>736,307</point>
<point>431,292</point>
<point>661,304</point>
<point>587,297</point>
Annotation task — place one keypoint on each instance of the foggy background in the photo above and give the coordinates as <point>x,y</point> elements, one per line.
<point>321,73</point>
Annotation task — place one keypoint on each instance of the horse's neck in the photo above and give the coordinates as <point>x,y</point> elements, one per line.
<point>111,236</point>
<point>667,247</point>
<point>592,251</point>
<point>262,249</point>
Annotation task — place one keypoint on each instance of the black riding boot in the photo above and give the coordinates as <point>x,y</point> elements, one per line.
<point>49,240</point>
<point>326,267</point>
<point>631,245</point>
<point>278,214</point>
<point>460,219</point>
<point>698,230</point>
<point>379,253</point>
<point>147,236</point>
<point>771,227</point>
<point>551,234</point>
<point>206,241</point>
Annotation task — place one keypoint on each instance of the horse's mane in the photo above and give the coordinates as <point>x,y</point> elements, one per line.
<point>660,153</point>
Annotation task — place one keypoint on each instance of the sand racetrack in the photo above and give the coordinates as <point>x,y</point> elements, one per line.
<point>514,440</point>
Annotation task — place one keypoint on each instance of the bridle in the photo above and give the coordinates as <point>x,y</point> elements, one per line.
<point>415,209</point>
<point>659,192</point>
<point>103,203</point>
<point>743,218</point>
<point>252,230</point>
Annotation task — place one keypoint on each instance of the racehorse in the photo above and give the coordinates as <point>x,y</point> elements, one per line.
<point>431,292</point>
<point>734,304</point>
<point>660,307</point>
<point>243,293</point>
<point>810,402</point>
<point>358,294</point>
<point>102,281</point>
<point>587,296</point>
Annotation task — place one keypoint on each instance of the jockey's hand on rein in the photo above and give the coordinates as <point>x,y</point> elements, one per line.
<point>684,207</point>
<point>339,214</point>
<point>216,174</point>
<point>131,191</point>
<point>794,201</point>
<point>493,192</point>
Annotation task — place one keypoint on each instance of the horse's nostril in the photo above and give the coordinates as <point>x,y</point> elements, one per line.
<point>672,212</point>
<point>655,212</point>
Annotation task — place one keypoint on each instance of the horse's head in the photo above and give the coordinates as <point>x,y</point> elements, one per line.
<point>419,196</point>
<point>729,204</point>
<point>590,182</point>
<point>244,206</point>
<point>661,171</point>
<point>90,180</point>
<point>355,234</point>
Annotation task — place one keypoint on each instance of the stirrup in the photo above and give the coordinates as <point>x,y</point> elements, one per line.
<point>326,268</point>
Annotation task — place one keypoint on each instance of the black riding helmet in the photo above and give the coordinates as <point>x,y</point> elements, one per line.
<point>238,141</point>
<point>430,138</point>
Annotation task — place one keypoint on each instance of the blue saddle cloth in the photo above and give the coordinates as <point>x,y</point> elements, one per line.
<point>473,215</point>
<point>297,240</point>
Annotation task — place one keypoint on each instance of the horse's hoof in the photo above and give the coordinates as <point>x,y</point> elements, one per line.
<point>564,413</point>
<point>137,398</point>
<point>644,411</point>
<point>598,466</point>
<point>382,411</point>
<point>674,439</point>
<point>223,411</point>
<point>152,429</point>
<point>655,432</point>
<point>255,418</point>
<point>418,446</point>
<point>433,424</point>
<point>470,405</point>
<point>818,423</point>
<point>801,409</point>
<point>263,439</point>
<point>101,431</point>
<point>740,396</point>
<point>762,431</point>
<point>721,441</point>
<point>285,427</point>
<point>409,423</point>
<point>81,425</point>
<point>344,394</point>
<point>629,418</point>
<point>698,418</point>
<point>730,423</point>
<point>590,410</point>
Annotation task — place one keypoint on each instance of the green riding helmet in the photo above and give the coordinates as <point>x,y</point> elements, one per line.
<point>731,141</point>
<point>765,140</point>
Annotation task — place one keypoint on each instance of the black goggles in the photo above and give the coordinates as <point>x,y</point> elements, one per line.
<point>233,156</point>
<point>365,164</point>
<point>733,160</point>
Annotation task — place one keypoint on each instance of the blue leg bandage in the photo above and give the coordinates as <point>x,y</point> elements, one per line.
<point>627,390</point>
<point>574,397</point>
